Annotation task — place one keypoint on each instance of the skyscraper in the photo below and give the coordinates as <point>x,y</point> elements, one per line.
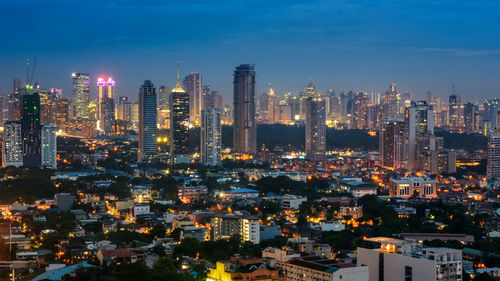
<point>163,98</point>
<point>391,105</point>
<point>179,124</point>
<point>211,137</point>
<point>12,150</point>
<point>193,85</point>
<point>147,123</point>
<point>493,164</point>
<point>124,109</point>
<point>49,146</point>
<point>106,103</point>
<point>391,145</point>
<point>469,112</point>
<point>81,94</point>
<point>244,125</point>
<point>455,113</point>
<point>419,122</point>
<point>315,129</point>
<point>31,130</point>
<point>360,110</point>
<point>15,100</point>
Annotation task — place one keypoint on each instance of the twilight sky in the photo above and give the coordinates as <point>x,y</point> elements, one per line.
<point>360,45</point>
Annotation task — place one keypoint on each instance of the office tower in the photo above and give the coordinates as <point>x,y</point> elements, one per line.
<point>227,225</point>
<point>419,122</point>
<point>401,260</point>
<point>48,105</point>
<point>62,115</point>
<point>148,149</point>
<point>15,100</point>
<point>273,114</point>
<point>124,109</point>
<point>391,144</point>
<point>81,94</point>
<point>12,149</point>
<point>244,125</point>
<point>315,129</point>
<point>455,113</point>
<point>211,137</point>
<point>360,108</point>
<point>392,104</point>
<point>227,113</point>
<point>3,113</point>
<point>213,100</point>
<point>163,98</point>
<point>346,108</point>
<point>106,104</point>
<point>31,130</point>
<point>493,164</point>
<point>49,147</point>
<point>193,85</point>
<point>469,112</point>
<point>179,124</point>
<point>489,116</point>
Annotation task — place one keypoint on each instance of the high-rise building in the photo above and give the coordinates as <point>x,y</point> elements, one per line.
<point>124,109</point>
<point>391,107</point>
<point>148,149</point>
<point>211,137</point>
<point>213,100</point>
<point>179,124</point>
<point>62,115</point>
<point>469,112</point>
<point>225,226</point>
<point>49,146</point>
<point>163,98</point>
<point>455,113</point>
<point>193,86</point>
<point>15,100</point>
<point>31,130</point>
<point>81,94</point>
<point>273,110</point>
<point>12,149</point>
<point>106,104</point>
<point>490,112</point>
<point>391,145</point>
<point>360,108</point>
<point>244,125</point>
<point>493,164</point>
<point>315,129</point>
<point>48,105</point>
<point>419,121</point>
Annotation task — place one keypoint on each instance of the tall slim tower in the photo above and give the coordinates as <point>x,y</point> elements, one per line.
<point>15,100</point>
<point>163,98</point>
<point>49,146</point>
<point>81,94</point>
<point>211,137</point>
<point>455,113</point>
<point>31,130</point>
<point>493,164</point>
<point>244,125</point>
<point>12,150</point>
<point>391,145</point>
<point>179,124</point>
<point>193,85</point>
<point>419,121</point>
<point>148,149</point>
<point>106,104</point>
<point>315,128</point>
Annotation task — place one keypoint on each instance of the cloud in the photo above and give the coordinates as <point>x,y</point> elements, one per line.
<point>462,52</point>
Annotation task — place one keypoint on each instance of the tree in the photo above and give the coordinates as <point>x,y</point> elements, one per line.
<point>188,247</point>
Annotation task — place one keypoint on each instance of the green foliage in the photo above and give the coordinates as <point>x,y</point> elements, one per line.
<point>25,185</point>
<point>168,185</point>
<point>125,237</point>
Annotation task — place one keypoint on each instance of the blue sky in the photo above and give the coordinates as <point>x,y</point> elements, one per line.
<point>360,45</point>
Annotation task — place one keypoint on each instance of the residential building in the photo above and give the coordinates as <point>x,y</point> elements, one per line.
<point>226,225</point>
<point>148,148</point>
<point>49,147</point>
<point>314,268</point>
<point>211,137</point>
<point>244,125</point>
<point>12,150</point>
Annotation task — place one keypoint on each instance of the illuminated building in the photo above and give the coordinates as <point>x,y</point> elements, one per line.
<point>193,86</point>
<point>12,150</point>
<point>15,100</point>
<point>469,112</point>
<point>119,128</point>
<point>124,109</point>
<point>273,114</point>
<point>398,260</point>
<point>391,144</point>
<point>212,98</point>
<point>413,187</point>
<point>419,122</point>
<point>106,103</point>
<point>48,105</point>
<point>31,130</point>
<point>62,115</point>
<point>317,268</point>
<point>227,225</point>
<point>163,98</point>
<point>360,110</point>
<point>490,112</point>
<point>391,105</point>
<point>226,271</point>
<point>244,125</point>
<point>49,146</point>
<point>148,149</point>
<point>315,129</point>
<point>211,137</point>
<point>179,124</point>
<point>81,94</point>
<point>493,164</point>
<point>455,113</point>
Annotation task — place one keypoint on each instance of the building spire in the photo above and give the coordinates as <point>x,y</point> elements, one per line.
<point>178,88</point>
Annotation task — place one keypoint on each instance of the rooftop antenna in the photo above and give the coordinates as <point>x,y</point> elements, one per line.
<point>178,78</point>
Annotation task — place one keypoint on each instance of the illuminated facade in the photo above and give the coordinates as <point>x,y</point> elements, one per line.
<point>106,104</point>
<point>31,130</point>
<point>227,225</point>
<point>225,271</point>
<point>315,129</point>
<point>12,150</point>
<point>493,164</point>
<point>391,144</point>
<point>81,94</point>
<point>244,125</point>
<point>413,187</point>
<point>419,121</point>
<point>62,116</point>
<point>455,114</point>
<point>148,149</point>
<point>15,100</point>
<point>211,137</point>
<point>49,146</point>
<point>193,85</point>
<point>179,124</point>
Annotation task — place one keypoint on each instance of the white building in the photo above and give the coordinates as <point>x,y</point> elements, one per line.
<point>280,255</point>
<point>413,186</point>
<point>292,202</point>
<point>315,268</point>
<point>141,210</point>
<point>12,150</point>
<point>226,225</point>
<point>49,146</point>
<point>493,166</point>
<point>398,260</point>
<point>211,137</point>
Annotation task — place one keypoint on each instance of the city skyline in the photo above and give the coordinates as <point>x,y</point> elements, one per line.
<point>346,46</point>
